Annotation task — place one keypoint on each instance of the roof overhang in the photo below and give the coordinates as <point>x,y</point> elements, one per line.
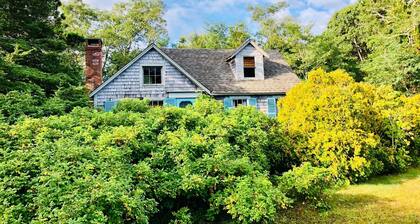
<point>246,43</point>
<point>248,94</point>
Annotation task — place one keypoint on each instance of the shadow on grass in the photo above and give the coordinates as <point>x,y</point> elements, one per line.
<point>411,173</point>
<point>358,205</point>
<point>354,200</point>
<point>348,208</point>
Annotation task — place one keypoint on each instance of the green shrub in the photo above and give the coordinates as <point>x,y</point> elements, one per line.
<point>255,199</point>
<point>132,105</point>
<point>141,164</point>
<point>306,183</point>
<point>355,129</point>
<point>20,104</point>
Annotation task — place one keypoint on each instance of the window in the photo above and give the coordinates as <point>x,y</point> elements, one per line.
<point>184,104</point>
<point>238,102</point>
<point>156,103</point>
<point>249,67</point>
<point>152,74</point>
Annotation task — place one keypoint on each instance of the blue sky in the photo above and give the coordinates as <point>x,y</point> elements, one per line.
<point>187,16</point>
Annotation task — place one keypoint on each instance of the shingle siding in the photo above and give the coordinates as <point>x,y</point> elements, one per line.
<point>129,84</point>
<point>262,101</point>
<point>249,51</point>
<point>210,70</point>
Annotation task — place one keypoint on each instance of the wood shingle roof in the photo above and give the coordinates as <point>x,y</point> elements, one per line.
<point>210,68</point>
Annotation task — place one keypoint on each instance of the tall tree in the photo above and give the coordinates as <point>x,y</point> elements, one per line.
<point>284,35</point>
<point>376,41</point>
<point>124,29</point>
<point>216,36</point>
<point>80,18</point>
<point>35,63</point>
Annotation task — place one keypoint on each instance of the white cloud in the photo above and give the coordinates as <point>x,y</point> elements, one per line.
<point>187,16</point>
<point>190,16</point>
<point>102,4</point>
<point>177,18</point>
<point>318,19</point>
<point>330,5</point>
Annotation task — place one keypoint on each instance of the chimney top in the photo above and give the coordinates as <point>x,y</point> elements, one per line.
<point>93,59</point>
<point>94,42</point>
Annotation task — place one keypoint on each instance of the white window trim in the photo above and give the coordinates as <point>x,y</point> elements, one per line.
<point>243,67</point>
<point>240,98</point>
<point>162,73</point>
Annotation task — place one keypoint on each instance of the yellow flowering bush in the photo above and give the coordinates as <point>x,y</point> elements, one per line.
<point>355,129</point>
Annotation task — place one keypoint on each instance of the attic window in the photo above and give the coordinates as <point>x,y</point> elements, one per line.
<point>249,67</point>
<point>152,74</point>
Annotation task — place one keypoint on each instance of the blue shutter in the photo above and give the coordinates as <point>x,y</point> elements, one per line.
<point>252,102</point>
<point>169,102</point>
<point>109,105</point>
<point>272,107</point>
<point>228,102</point>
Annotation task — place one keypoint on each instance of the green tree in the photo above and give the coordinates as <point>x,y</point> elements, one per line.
<point>217,36</point>
<point>285,35</point>
<point>35,55</point>
<point>376,41</point>
<point>355,129</point>
<point>79,17</point>
<point>124,29</point>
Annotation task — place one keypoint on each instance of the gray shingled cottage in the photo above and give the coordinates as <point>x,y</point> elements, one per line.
<point>176,77</point>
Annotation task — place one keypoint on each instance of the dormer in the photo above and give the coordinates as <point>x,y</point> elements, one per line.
<point>247,62</point>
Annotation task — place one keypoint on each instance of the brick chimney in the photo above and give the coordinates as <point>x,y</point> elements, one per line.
<point>93,69</point>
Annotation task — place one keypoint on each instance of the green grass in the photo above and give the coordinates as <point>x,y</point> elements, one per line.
<point>386,199</point>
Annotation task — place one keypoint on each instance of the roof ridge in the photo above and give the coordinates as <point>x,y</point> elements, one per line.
<point>209,49</point>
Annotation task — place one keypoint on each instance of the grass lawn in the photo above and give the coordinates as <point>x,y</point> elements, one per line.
<point>387,199</point>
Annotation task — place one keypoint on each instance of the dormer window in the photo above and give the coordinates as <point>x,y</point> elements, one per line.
<point>249,67</point>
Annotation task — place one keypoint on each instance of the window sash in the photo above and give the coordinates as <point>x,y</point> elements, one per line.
<point>239,102</point>
<point>249,72</point>
<point>155,103</point>
<point>249,62</point>
<point>152,74</point>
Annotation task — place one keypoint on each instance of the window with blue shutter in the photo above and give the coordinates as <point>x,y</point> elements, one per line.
<point>228,102</point>
<point>272,107</point>
<point>109,105</point>
<point>184,102</point>
<point>169,102</point>
<point>252,102</point>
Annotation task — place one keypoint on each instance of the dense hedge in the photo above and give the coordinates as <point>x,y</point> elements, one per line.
<point>141,164</point>
<point>355,129</point>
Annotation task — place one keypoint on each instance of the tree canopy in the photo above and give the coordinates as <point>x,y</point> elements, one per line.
<point>216,36</point>
<point>125,29</point>
<point>356,129</point>
<point>375,41</point>
<point>36,60</point>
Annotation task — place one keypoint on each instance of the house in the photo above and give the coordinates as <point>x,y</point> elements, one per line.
<point>247,75</point>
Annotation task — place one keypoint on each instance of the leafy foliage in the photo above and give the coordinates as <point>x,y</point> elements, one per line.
<point>158,165</point>
<point>132,105</point>
<point>285,34</point>
<point>352,128</point>
<point>377,41</point>
<point>307,183</point>
<point>36,63</point>
<point>123,29</point>
<point>217,36</point>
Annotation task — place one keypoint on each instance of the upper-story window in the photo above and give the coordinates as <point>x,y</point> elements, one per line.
<point>249,67</point>
<point>152,74</point>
